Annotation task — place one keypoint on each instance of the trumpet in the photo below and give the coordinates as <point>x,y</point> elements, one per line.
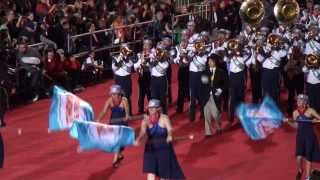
<point>273,39</point>
<point>160,54</point>
<point>312,61</point>
<point>126,51</point>
<point>233,45</point>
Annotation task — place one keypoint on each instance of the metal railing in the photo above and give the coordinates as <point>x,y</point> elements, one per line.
<point>202,11</point>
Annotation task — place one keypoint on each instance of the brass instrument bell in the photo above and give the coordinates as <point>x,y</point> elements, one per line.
<point>286,11</point>
<point>125,51</point>
<point>273,39</point>
<point>312,61</point>
<point>252,12</point>
<point>233,45</point>
<point>199,46</point>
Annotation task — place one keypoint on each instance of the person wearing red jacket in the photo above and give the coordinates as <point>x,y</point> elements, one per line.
<point>54,69</point>
<point>73,67</point>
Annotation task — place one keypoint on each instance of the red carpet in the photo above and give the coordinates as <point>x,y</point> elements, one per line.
<point>37,155</point>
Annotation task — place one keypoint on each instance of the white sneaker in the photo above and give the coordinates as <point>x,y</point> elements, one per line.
<point>36,98</point>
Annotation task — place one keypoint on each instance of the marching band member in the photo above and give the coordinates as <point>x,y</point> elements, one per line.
<point>293,69</point>
<point>142,66</point>
<point>219,48</point>
<point>213,84</point>
<point>159,158</point>
<point>182,60</point>
<point>118,104</point>
<point>255,72</point>
<point>167,43</point>
<point>238,60</point>
<point>312,48</point>
<point>271,59</point>
<point>198,59</point>
<point>159,83</point>
<point>122,66</point>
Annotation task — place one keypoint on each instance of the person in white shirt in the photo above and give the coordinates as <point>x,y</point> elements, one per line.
<point>313,86</point>
<point>142,66</point>
<point>238,58</point>
<point>159,63</point>
<point>271,59</point>
<point>198,60</point>
<point>93,66</point>
<point>122,66</point>
<point>214,83</point>
<point>183,72</point>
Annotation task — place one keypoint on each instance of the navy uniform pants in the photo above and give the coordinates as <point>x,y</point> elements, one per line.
<point>159,88</point>
<point>126,85</point>
<point>236,92</point>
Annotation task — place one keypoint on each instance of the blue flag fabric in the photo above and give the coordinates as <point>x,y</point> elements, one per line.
<point>260,120</point>
<point>65,108</point>
<point>108,138</point>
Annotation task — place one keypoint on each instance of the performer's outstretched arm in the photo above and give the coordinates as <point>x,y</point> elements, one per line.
<point>104,110</point>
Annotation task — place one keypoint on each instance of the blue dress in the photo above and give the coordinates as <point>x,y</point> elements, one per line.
<point>118,112</point>
<point>307,144</point>
<point>159,156</point>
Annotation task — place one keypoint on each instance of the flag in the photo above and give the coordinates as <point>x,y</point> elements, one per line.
<point>260,120</point>
<point>65,108</point>
<point>108,138</point>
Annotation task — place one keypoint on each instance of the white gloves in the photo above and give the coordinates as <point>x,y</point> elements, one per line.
<point>218,92</point>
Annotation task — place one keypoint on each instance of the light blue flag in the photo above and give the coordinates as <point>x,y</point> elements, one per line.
<point>260,120</point>
<point>108,138</point>
<point>65,108</point>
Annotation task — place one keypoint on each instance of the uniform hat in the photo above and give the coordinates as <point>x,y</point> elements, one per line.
<point>60,51</point>
<point>303,97</point>
<point>115,89</point>
<point>154,103</point>
<point>191,23</point>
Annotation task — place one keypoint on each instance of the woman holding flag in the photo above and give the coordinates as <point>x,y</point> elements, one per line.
<point>307,146</point>
<point>159,156</point>
<point>119,106</point>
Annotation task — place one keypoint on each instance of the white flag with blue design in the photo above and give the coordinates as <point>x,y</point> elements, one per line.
<point>108,138</point>
<point>65,108</point>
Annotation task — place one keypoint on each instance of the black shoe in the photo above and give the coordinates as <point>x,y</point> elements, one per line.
<point>219,131</point>
<point>207,136</point>
<point>179,111</point>
<point>299,175</point>
<point>192,119</point>
<point>3,124</point>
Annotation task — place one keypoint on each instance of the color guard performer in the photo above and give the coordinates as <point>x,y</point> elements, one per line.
<point>159,159</point>
<point>118,104</point>
<point>307,145</point>
<point>122,66</point>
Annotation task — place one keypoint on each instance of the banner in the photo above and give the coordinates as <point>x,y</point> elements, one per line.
<point>260,120</point>
<point>65,108</point>
<point>108,138</point>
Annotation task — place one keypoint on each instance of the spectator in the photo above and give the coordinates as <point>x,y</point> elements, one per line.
<point>29,61</point>
<point>73,67</point>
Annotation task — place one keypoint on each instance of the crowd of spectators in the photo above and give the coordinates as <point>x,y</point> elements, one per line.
<point>26,22</point>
